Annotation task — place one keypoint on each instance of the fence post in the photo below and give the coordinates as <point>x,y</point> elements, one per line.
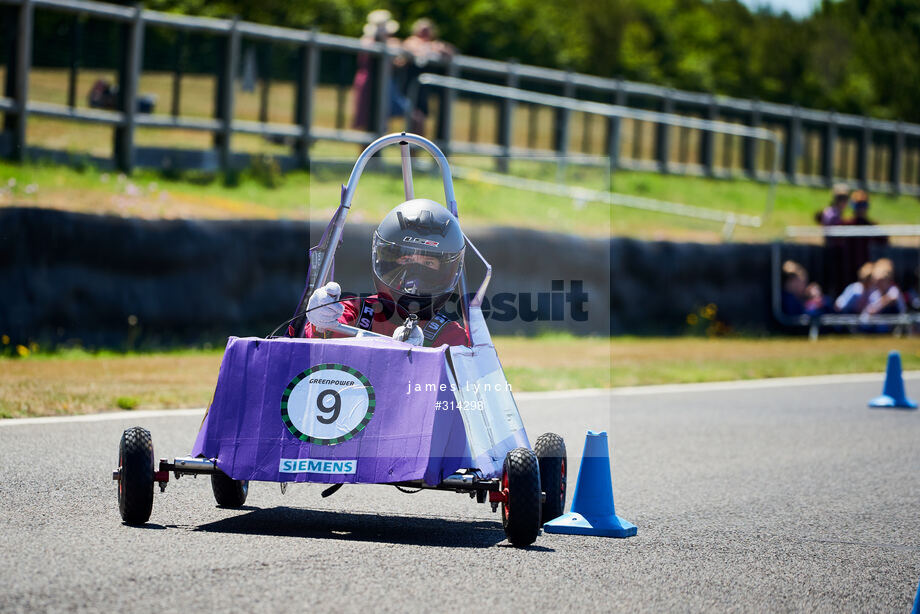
<point>266,72</point>
<point>384,76</point>
<point>505,119</point>
<point>563,119</point>
<point>662,134</point>
<point>862,155</point>
<point>177,72</point>
<point>828,144</point>
<point>707,139</point>
<point>76,47</point>
<point>613,128</point>
<point>897,154</point>
<point>308,60</point>
<point>226,82</point>
<point>128,77</point>
<point>793,145</point>
<point>446,110</point>
<point>17,78</point>
<point>750,143</point>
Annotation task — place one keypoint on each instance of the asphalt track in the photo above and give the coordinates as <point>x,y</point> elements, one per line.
<point>787,495</point>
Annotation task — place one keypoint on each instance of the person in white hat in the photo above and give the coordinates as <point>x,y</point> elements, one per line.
<point>380,28</point>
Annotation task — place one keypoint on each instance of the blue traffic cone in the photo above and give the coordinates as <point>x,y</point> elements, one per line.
<point>893,394</point>
<point>592,510</point>
<point>916,609</point>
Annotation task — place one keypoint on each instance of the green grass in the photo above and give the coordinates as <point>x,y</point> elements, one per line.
<point>77,381</point>
<point>303,195</point>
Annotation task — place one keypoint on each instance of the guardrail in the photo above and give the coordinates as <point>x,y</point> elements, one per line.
<point>819,147</point>
<point>617,113</point>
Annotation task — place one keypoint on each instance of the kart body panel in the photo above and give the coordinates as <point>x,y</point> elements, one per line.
<point>433,411</point>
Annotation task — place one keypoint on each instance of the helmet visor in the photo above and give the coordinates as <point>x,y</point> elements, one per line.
<point>415,271</point>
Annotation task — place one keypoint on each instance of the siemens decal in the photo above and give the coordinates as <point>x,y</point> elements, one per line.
<point>308,465</point>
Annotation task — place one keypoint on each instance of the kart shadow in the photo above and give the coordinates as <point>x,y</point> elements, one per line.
<point>356,526</point>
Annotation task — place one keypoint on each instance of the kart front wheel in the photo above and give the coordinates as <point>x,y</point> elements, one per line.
<point>227,491</point>
<point>550,451</point>
<point>135,476</point>
<point>521,487</point>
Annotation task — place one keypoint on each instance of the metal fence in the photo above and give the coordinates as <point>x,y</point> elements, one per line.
<point>819,147</point>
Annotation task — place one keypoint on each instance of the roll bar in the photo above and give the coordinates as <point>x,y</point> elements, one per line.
<point>405,141</point>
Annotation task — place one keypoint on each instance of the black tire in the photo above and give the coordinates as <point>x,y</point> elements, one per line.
<point>227,491</point>
<point>521,511</point>
<point>550,451</point>
<point>135,484</point>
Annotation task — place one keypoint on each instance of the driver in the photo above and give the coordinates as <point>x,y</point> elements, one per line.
<point>417,258</point>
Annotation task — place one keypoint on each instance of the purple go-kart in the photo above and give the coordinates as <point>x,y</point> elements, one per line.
<point>364,409</point>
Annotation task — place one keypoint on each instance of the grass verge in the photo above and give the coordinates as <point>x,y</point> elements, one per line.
<point>77,382</point>
<point>258,193</point>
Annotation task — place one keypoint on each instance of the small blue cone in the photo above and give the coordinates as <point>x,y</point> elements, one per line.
<point>893,394</point>
<point>916,609</point>
<point>592,510</point>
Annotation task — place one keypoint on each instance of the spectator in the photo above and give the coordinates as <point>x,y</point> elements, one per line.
<point>884,295</point>
<point>380,28</point>
<point>911,295</point>
<point>832,215</point>
<point>860,204</point>
<point>858,250</point>
<point>425,48</point>
<point>795,283</point>
<point>854,297</point>
<point>837,269</point>
<point>815,301</point>
<point>799,297</point>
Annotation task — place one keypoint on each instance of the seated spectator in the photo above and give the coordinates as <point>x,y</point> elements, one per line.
<point>854,297</point>
<point>912,285</point>
<point>795,283</point>
<point>815,301</point>
<point>799,297</point>
<point>884,295</point>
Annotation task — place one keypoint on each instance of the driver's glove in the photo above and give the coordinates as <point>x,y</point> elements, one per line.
<point>322,312</point>
<point>416,336</point>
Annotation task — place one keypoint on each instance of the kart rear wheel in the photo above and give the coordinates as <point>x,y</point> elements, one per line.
<point>227,491</point>
<point>135,480</point>
<point>550,451</point>
<point>521,486</point>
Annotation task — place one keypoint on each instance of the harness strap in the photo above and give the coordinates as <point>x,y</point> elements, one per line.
<point>434,327</point>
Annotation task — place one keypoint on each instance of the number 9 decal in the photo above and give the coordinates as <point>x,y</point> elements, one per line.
<point>335,408</point>
<point>327,404</point>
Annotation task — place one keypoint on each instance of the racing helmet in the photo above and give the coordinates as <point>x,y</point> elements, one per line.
<point>417,257</point>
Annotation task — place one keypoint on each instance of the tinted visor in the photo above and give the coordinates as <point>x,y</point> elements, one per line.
<point>415,271</point>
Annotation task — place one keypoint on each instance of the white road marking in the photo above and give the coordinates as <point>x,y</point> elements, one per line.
<point>754,384</point>
<point>110,415</point>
